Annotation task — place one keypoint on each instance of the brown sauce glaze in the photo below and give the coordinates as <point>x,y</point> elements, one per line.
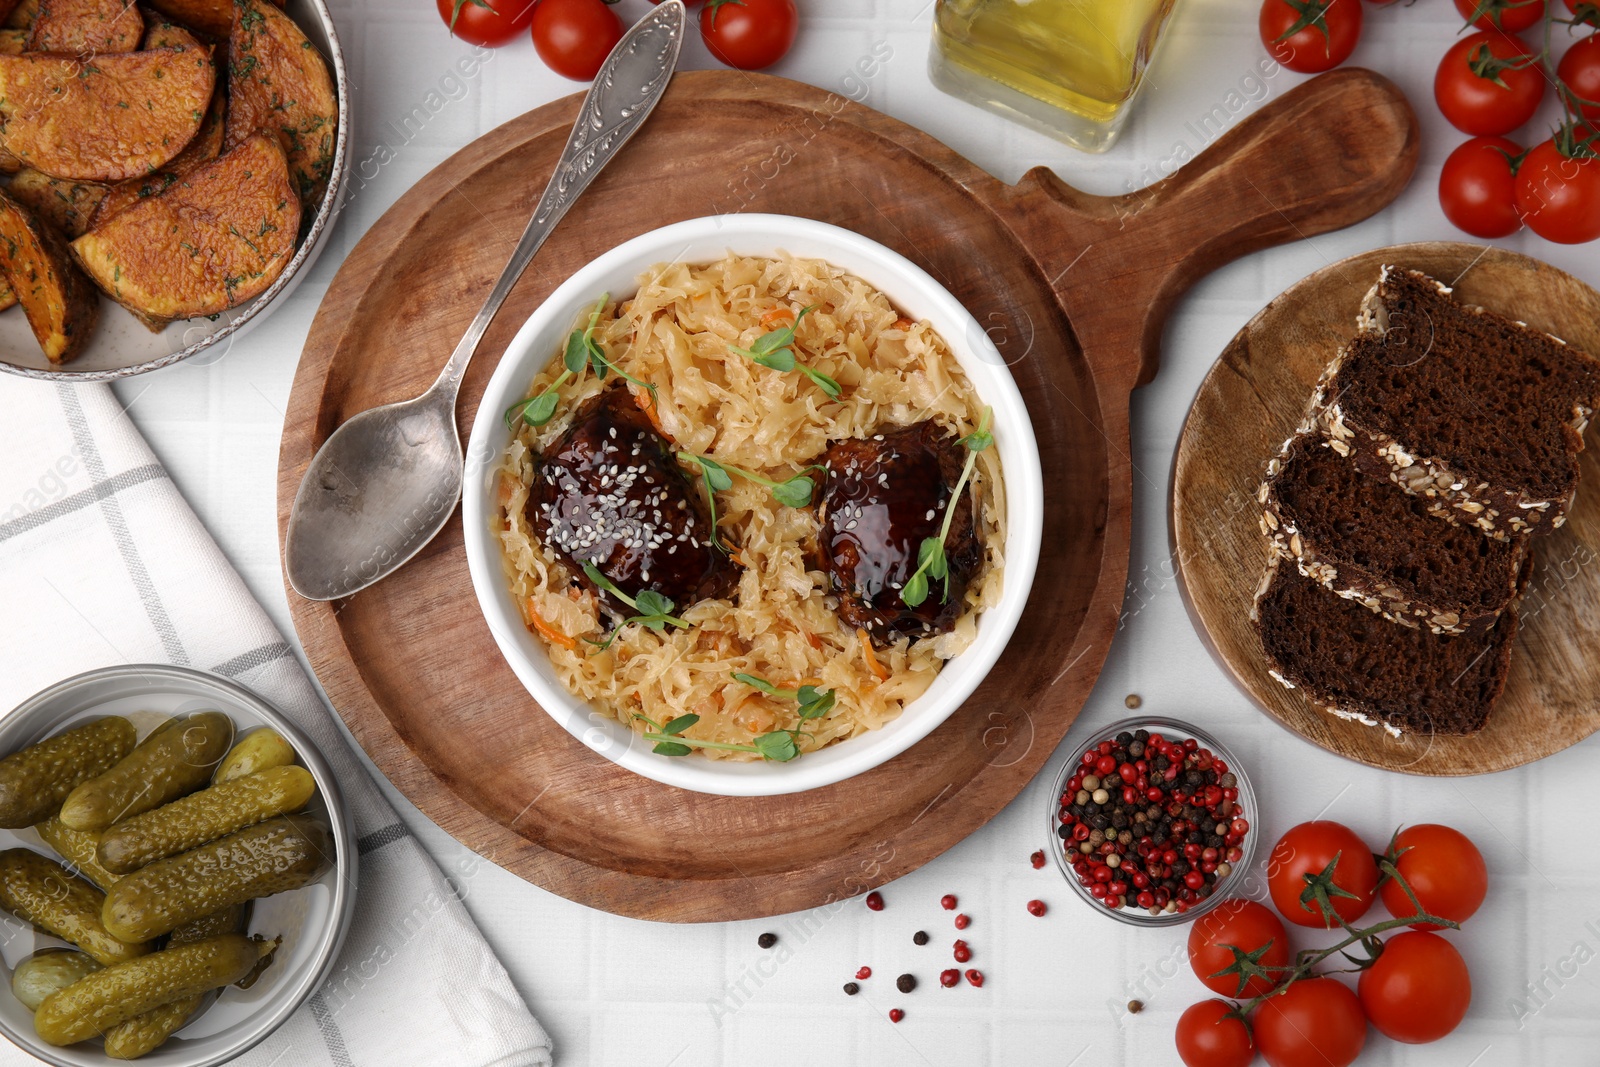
<point>881,497</point>
<point>609,491</point>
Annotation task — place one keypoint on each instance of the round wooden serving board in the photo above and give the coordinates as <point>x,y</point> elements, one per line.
<point>410,663</point>
<point>1249,405</point>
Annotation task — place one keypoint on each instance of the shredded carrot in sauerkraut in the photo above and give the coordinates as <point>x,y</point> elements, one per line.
<point>779,622</point>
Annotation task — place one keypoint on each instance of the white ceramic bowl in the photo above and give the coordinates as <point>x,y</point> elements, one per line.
<point>912,291</point>
<point>312,920</point>
<point>121,346</point>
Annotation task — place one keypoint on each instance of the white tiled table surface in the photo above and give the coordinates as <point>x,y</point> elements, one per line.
<point>618,991</point>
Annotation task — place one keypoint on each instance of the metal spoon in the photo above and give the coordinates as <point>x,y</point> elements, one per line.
<point>385,482</point>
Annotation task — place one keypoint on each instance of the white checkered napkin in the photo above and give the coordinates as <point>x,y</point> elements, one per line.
<point>102,562</point>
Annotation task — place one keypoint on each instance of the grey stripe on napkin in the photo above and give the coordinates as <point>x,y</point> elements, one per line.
<point>102,561</point>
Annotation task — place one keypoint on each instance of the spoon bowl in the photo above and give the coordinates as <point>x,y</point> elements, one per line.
<point>379,490</point>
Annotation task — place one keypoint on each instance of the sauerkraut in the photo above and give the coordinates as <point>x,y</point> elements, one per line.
<point>779,623</point>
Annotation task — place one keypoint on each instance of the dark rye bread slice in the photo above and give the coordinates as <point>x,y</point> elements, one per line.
<point>1357,665</point>
<point>1481,416</point>
<point>1370,541</point>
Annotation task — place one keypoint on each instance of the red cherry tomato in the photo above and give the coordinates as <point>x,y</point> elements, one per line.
<point>1579,71</point>
<point>1207,1039</point>
<point>1316,1022</point>
<point>1512,16</point>
<point>1329,34</point>
<point>1305,852</point>
<point>1247,926</point>
<point>749,34</point>
<point>1480,88</point>
<point>1418,990</point>
<point>488,23</point>
<point>1477,190</point>
<point>573,37</point>
<point>1443,868</point>
<point>1558,195</point>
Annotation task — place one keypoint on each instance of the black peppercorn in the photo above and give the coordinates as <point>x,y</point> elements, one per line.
<point>767,940</point>
<point>1141,736</point>
<point>921,936</point>
<point>906,983</point>
<point>851,989</point>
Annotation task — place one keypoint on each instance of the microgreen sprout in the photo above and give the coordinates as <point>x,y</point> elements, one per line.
<point>582,353</point>
<point>793,492</point>
<point>778,746</point>
<point>775,349</point>
<point>654,611</point>
<point>931,560</point>
<point>814,702</point>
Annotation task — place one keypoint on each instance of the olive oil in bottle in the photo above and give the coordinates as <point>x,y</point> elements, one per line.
<point>1069,68</point>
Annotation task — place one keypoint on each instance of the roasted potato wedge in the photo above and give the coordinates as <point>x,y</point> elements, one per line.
<point>19,14</point>
<point>60,303</point>
<point>205,147</point>
<point>103,118</point>
<point>214,18</point>
<point>216,239</point>
<point>67,205</point>
<point>161,32</point>
<point>86,27</point>
<point>278,83</point>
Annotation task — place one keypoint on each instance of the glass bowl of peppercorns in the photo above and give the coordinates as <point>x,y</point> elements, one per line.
<point>1150,821</point>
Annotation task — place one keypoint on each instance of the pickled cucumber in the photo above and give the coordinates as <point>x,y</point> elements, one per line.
<point>229,920</point>
<point>78,848</point>
<point>175,760</point>
<point>48,970</point>
<point>105,998</point>
<point>147,1032</point>
<point>261,750</point>
<point>271,857</point>
<point>42,892</point>
<point>204,816</point>
<point>35,780</point>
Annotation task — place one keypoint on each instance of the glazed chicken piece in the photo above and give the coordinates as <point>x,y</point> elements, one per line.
<point>609,492</point>
<point>880,498</point>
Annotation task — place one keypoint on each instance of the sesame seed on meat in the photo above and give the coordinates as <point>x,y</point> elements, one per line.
<point>595,504</point>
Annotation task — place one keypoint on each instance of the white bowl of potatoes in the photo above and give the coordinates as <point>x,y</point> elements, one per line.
<point>211,849</point>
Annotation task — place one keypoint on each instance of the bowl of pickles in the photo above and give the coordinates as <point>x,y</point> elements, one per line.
<point>177,869</point>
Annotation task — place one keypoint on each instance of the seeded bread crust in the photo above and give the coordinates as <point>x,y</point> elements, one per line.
<point>1502,511</point>
<point>1358,667</point>
<point>1345,562</point>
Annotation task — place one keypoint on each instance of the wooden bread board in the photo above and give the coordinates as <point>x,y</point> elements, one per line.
<point>1248,406</point>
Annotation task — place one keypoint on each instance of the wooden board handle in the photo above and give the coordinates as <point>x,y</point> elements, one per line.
<point>1327,154</point>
